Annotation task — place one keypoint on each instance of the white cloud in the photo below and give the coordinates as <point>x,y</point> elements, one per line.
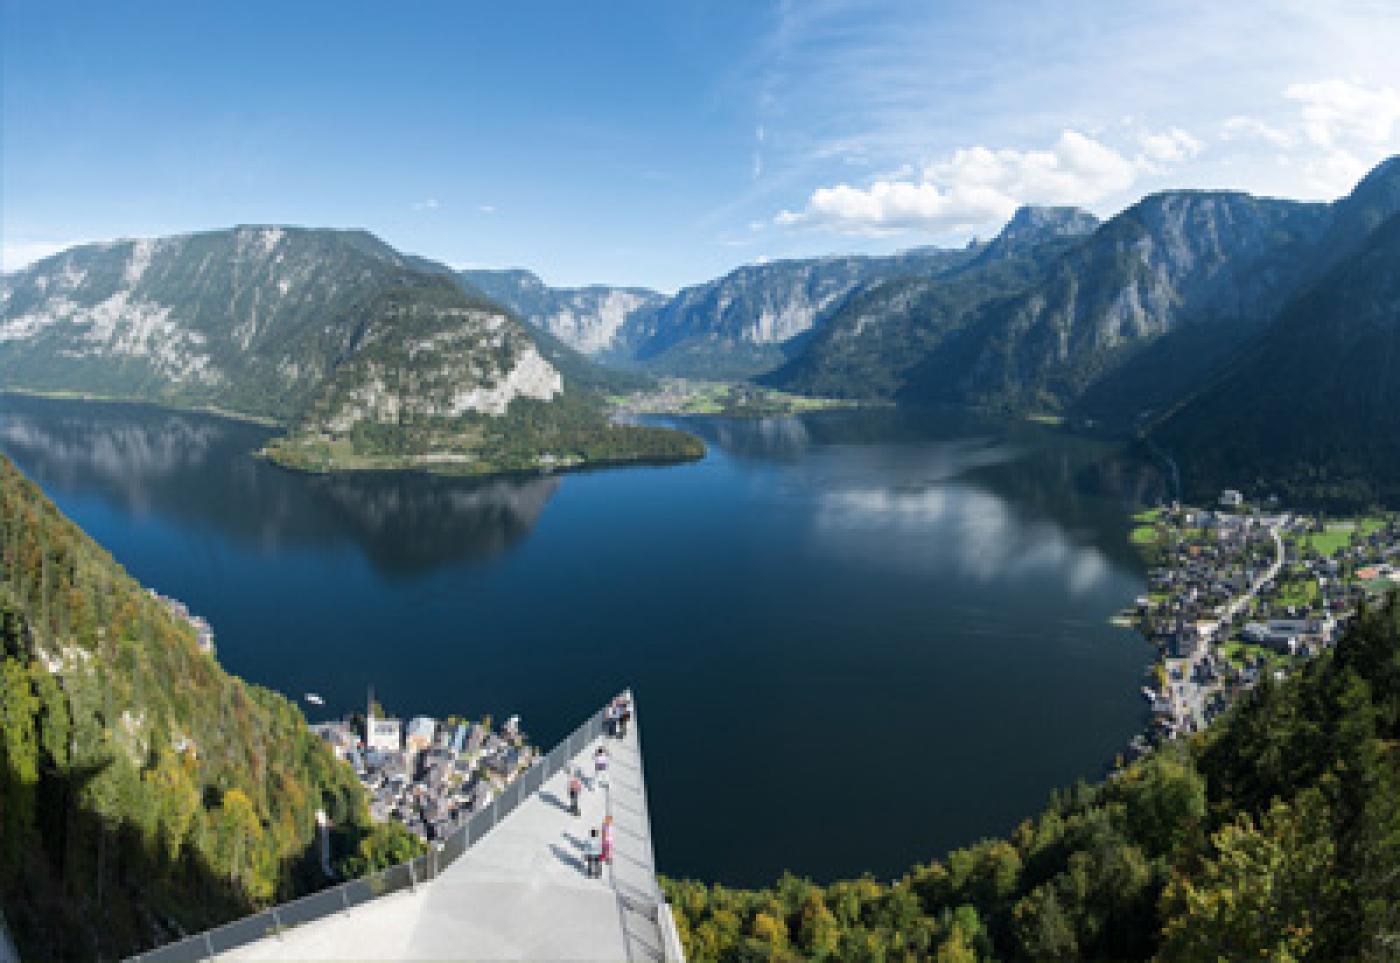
<point>1241,127</point>
<point>1335,171</point>
<point>20,254</point>
<point>1336,111</point>
<point>487,208</point>
<point>1342,127</point>
<point>428,204</point>
<point>976,186</point>
<point>1171,146</point>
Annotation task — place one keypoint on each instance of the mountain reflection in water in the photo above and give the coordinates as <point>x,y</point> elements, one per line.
<point>196,468</point>
<point>901,614</point>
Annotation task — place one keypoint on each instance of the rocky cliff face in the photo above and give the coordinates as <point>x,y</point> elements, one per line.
<point>750,320</point>
<point>1311,411</point>
<point>244,318</point>
<point>372,358</point>
<point>1031,226</point>
<point>597,320</point>
<point>871,346</point>
<point>424,351</point>
<point>1206,265</point>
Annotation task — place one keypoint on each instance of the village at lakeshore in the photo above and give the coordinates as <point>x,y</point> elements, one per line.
<point>1238,591</point>
<point>886,576</point>
<point>1194,605</point>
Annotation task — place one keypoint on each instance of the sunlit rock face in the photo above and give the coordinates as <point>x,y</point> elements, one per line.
<point>266,320</point>
<point>597,320</point>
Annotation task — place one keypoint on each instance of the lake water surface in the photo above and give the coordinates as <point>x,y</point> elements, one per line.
<point>857,638</point>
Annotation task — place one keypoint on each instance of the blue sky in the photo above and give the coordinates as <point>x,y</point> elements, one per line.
<point>663,143</point>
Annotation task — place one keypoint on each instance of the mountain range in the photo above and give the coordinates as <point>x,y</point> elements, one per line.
<point>369,358</point>
<point>1152,323</point>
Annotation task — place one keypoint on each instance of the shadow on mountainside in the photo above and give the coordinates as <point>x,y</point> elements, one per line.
<point>78,886</point>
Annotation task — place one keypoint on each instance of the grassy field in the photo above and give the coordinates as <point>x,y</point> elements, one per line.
<point>1145,535</point>
<point>1237,652</point>
<point>687,397</point>
<point>1148,528</point>
<point>1338,534</point>
<point>1302,592</point>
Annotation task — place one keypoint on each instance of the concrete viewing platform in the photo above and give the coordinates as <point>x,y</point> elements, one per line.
<point>519,893</point>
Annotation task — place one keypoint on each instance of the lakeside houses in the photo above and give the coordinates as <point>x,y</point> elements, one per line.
<point>203,631</point>
<point>431,774</point>
<point>1234,593</point>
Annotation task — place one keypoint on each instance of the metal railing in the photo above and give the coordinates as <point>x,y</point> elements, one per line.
<point>346,896</point>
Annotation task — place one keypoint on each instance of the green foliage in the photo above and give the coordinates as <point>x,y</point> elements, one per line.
<point>385,845</point>
<point>143,791</point>
<point>314,330</point>
<point>1311,414</point>
<point>1276,834</point>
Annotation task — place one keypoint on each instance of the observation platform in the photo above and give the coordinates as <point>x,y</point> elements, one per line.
<point>518,891</point>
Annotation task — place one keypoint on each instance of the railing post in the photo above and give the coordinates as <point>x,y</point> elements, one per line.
<point>412,879</point>
<point>208,946</point>
<point>345,898</point>
<point>277,922</point>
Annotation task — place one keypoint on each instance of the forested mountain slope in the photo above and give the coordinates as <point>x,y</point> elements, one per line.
<point>874,344</point>
<point>248,319</point>
<point>1312,411</point>
<point>1173,260</point>
<point>144,792</point>
<point>375,359</point>
<point>1275,834</point>
<point>757,316</point>
<point>1117,322</point>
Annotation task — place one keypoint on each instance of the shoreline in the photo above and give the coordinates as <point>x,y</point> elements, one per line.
<point>212,410</point>
<point>426,468</point>
<point>262,454</point>
<point>1236,593</point>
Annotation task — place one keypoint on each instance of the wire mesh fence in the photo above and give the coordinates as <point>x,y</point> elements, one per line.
<point>347,895</point>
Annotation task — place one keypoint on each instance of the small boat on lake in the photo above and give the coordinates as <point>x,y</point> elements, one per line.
<point>314,699</point>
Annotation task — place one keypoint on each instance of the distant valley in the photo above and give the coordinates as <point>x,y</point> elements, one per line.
<point>367,357</point>
<point>1180,321</point>
<point>1164,322</point>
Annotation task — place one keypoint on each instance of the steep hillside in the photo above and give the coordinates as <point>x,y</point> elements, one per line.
<point>143,791</point>
<point>332,332</point>
<point>247,319</point>
<point>1172,260</point>
<point>872,346</point>
<point>754,318</point>
<point>1031,226</point>
<point>1115,322</point>
<point>1312,410</point>
<point>437,379</point>
<point>1274,835</point>
<point>596,320</point>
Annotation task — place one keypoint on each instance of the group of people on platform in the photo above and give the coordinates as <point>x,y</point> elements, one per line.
<point>598,846</point>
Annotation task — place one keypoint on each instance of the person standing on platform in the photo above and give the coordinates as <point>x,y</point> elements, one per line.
<point>593,855</point>
<point>600,766</point>
<point>575,787</point>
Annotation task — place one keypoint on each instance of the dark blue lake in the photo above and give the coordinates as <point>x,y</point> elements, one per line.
<point>857,638</point>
